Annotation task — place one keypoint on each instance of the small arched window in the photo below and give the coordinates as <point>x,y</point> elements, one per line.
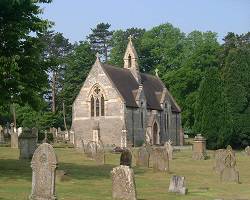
<point>97,107</point>
<point>92,106</point>
<point>102,106</point>
<point>129,61</point>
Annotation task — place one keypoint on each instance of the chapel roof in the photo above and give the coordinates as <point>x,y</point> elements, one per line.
<point>126,84</point>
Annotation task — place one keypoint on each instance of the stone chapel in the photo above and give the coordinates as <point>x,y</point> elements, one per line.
<point>122,106</point>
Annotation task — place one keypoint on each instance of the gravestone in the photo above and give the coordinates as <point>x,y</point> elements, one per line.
<point>90,149</point>
<point>43,164</point>
<point>13,137</point>
<point>100,153</point>
<point>219,160</point>
<point>229,172</point>
<point>1,135</point>
<point>126,158</point>
<point>177,185</point>
<point>142,157</point>
<point>199,148</point>
<point>169,148</point>
<point>247,150</point>
<point>123,183</point>
<point>27,143</point>
<point>160,159</point>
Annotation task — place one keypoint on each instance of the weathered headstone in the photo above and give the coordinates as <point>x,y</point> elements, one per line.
<point>199,148</point>
<point>123,183</point>
<point>100,153</point>
<point>177,185</point>
<point>126,158</point>
<point>142,157</point>
<point>169,148</point>
<point>43,164</point>
<point>27,143</point>
<point>90,149</point>
<point>160,159</point>
<point>247,150</point>
<point>229,172</point>
<point>1,135</point>
<point>14,137</point>
<point>45,140</point>
<point>219,160</point>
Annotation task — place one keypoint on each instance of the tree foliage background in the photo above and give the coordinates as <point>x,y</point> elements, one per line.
<point>41,71</point>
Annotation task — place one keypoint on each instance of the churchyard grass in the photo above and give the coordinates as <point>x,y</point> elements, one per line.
<point>89,181</point>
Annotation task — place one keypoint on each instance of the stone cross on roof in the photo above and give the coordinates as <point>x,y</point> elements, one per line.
<point>97,55</point>
<point>130,37</point>
<point>156,72</point>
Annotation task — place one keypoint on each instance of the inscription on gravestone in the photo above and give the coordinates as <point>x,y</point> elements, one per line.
<point>177,185</point>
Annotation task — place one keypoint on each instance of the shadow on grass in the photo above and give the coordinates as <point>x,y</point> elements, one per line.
<point>20,169</point>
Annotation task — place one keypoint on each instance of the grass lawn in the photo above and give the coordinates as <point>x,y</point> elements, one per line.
<point>89,181</point>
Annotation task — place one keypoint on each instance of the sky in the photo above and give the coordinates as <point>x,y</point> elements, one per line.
<point>75,18</point>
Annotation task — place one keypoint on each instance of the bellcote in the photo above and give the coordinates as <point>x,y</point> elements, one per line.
<point>131,60</point>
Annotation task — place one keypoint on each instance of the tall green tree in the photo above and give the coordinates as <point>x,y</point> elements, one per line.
<point>22,74</point>
<point>236,73</point>
<point>100,39</point>
<point>119,43</point>
<point>210,110</point>
<point>57,48</point>
<point>77,68</point>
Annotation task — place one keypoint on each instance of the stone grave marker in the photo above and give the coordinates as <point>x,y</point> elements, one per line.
<point>90,149</point>
<point>169,148</point>
<point>126,158</point>
<point>229,172</point>
<point>142,157</point>
<point>247,150</point>
<point>1,135</point>
<point>199,148</point>
<point>43,164</point>
<point>160,159</point>
<point>177,185</point>
<point>123,183</point>
<point>219,157</point>
<point>100,153</point>
<point>27,143</point>
<point>14,137</point>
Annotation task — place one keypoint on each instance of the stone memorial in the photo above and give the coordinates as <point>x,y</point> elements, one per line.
<point>43,164</point>
<point>169,148</point>
<point>100,154</point>
<point>142,157</point>
<point>247,150</point>
<point>199,148</point>
<point>1,135</point>
<point>160,159</point>
<point>90,149</point>
<point>219,160</point>
<point>229,172</point>
<point>123,183</point>
<point>14,137</point>
<point>126,158</point>
<point>177,185</point>
<point>27,143</point>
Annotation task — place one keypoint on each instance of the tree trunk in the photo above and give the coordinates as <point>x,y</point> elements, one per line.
<point>53,87</point>
<point>14,114</point>
<point>64,118</point>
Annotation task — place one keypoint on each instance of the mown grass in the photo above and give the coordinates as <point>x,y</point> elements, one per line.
<point>90,181</point>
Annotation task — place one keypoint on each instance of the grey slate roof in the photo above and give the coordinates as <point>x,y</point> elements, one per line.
<point>126,84</point>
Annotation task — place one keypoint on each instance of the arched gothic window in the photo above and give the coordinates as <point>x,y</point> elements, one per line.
<point>97,107</point>
<point>97,104</point>
<point>102,106</point>
<point>129,61</point>
<point>92,106</point>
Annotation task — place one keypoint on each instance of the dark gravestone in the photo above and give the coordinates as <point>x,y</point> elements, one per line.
<point>142,157</point>
<point>27,143</point>
<point>126,158</point>
<point>123,183</point>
